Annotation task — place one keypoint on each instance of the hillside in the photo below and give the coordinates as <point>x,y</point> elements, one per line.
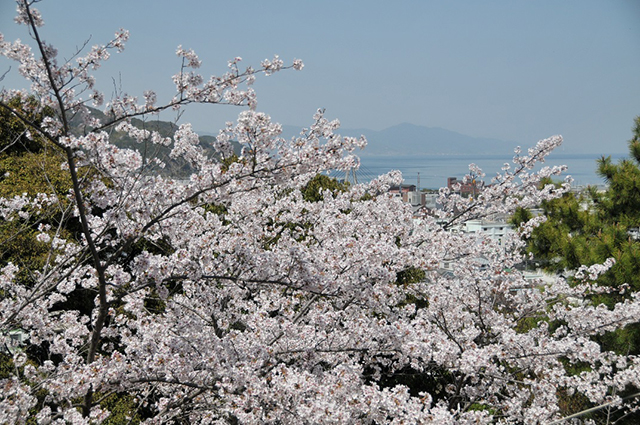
<point>175,168</point>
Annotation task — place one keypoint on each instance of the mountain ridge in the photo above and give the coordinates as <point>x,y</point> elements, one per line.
<point>411,139</point>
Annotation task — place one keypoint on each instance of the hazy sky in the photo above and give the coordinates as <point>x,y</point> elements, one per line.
<point>509,69</point>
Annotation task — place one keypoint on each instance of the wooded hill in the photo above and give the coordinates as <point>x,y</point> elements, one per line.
<point>174,167</point>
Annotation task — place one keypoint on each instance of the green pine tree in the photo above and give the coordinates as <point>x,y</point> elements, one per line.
<point>590,227</point>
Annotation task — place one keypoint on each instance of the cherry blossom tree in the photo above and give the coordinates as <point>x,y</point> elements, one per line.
<point>234,298</point>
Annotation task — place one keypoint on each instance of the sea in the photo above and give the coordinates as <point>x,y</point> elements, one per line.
<point>434,170</point>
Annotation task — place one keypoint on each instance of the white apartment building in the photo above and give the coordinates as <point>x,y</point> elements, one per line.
<point>496,230</point>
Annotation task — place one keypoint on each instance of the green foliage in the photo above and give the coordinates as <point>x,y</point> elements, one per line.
<point>32,173</point>
<point>573,403</point>
<point>588,228</point>
<point>217,209</point>
<point>622,202</point>
<point>123,409</point>
<point>18,245</point>
<point>29,165</point>
<point>313,191</point>
<point>526,323</point>
<point>410,275</point>
<point>6,365</point>
<point>14,135</point>
<point>521,215</point>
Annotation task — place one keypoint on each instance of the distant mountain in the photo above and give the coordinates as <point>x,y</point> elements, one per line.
<point>402,139</point>
<point>410,139</point>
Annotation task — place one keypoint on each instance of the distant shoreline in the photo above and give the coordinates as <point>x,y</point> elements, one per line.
<point>435,169</point>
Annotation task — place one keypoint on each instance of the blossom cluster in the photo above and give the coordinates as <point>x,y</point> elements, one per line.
<point>233,298</point>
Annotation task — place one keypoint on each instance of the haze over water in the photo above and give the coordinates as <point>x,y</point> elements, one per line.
<point>434,169</point>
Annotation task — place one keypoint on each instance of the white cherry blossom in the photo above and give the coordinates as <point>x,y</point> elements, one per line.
<point>231,298</point>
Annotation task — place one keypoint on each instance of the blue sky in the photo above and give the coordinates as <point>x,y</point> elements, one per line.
<point>509,69</point>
